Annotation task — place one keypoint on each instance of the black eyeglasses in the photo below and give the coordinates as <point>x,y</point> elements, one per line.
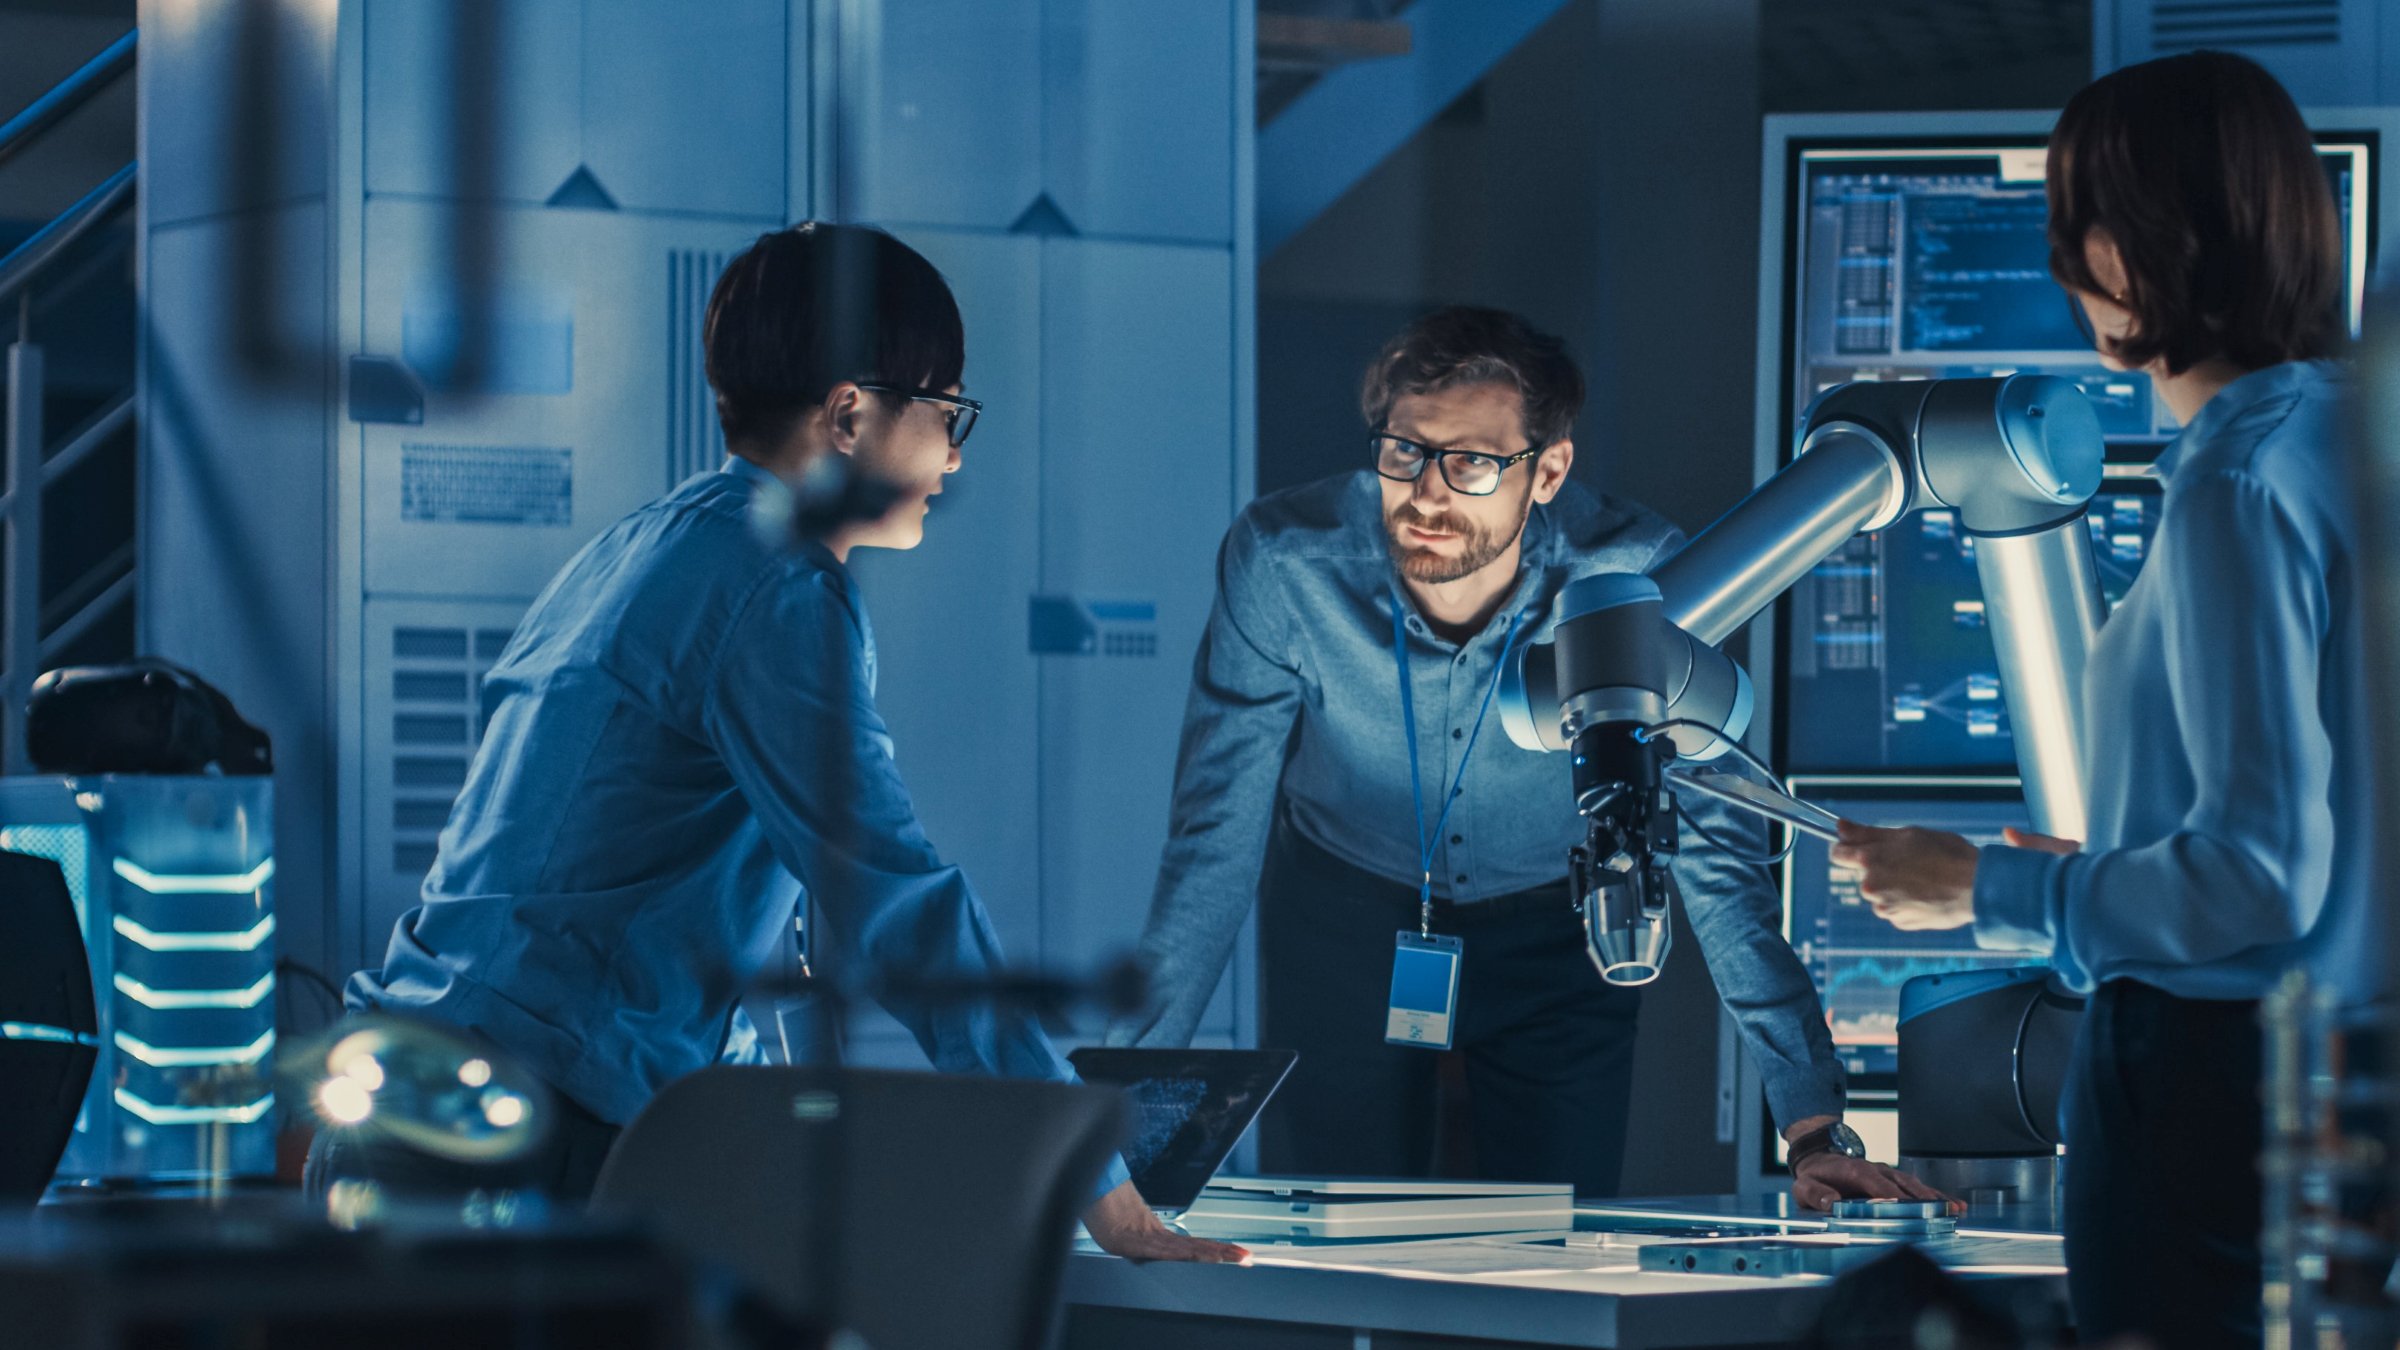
<point>963,411</point>
<point>1471,472</point>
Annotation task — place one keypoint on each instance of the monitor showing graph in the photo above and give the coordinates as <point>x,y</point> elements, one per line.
<point>1858,961</point>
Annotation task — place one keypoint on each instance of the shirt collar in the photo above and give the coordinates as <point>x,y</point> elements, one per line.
<point>2235,399</point>
<point>758,475</point>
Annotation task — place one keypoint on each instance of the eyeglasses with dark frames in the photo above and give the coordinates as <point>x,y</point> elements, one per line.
<point>963,411</point>
<point>1471,472</point>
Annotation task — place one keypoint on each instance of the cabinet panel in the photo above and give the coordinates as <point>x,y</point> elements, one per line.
<point>941,118</point>
<point>1138,117</point>
<point>1137,492</point>
<point>954,680</point>
<point>532,52</point>
<point>570,425</point>
<point>684,104</point>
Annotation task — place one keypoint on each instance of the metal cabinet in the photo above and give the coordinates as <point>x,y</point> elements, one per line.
<point>1084,117</point>
<point>939,114</point>
<point>1138,123</point>
<point>665,107</point>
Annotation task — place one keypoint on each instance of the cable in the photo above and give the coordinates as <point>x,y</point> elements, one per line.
<point>1791,837</point>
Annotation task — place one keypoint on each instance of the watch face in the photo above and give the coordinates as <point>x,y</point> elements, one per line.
<point>1846,1142</point>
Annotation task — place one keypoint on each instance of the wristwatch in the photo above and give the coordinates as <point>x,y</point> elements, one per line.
<point>1834,1138</point>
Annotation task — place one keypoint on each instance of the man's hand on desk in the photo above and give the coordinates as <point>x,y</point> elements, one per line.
<point>1123,1224</point>
<point>1822,1178</point>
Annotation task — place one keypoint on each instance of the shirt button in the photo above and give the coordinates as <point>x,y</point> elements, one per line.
<point>1458,839</point>
<point>1462,878</point>
<point>1456,733</point>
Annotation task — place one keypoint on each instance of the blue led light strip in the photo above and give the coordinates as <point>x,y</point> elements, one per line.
<point>248,940</point>
<point>195,998</point>
<point>195,1115</point>
<point>176,1057</point>
<point>195,883</point>
<point>35,1031</point>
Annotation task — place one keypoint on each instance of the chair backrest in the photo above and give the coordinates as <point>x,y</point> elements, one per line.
<point>48,1026</point>
<point>955,1197</point>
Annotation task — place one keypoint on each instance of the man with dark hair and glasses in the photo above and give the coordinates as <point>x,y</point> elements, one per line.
<point>1337,767</point>
<point>682,741</point>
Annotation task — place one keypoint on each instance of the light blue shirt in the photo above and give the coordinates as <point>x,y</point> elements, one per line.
<point>682,733</point>
<point>2233,833</point>
<point>1295,701</point>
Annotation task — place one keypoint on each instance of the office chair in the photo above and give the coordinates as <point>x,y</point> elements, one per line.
<point>49,1029</point>
<point>954,1198</point>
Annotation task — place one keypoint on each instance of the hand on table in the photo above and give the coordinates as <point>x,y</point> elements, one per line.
<point>1123,1224</point>
<point>1822,1178</point>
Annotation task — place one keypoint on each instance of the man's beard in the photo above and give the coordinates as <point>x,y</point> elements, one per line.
<point>1479,544</point>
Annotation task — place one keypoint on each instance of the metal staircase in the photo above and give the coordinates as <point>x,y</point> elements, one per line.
<point>68,510</point>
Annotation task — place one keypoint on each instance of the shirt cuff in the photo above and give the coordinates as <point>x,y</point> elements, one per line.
<point>1113,1176</point>
<point>2012,899</point>
<point>1802,1094</point>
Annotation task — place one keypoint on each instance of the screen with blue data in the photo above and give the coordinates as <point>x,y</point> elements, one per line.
<point>1887,660</point>
<point>1858,961</point>
<point>1927,260</point>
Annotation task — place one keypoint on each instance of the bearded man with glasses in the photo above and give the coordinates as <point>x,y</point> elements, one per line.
<point>1335,767</point>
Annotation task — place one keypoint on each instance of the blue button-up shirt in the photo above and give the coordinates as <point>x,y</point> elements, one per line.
<point>1295,695</point>
<point>681,733</point>
<point>2233,833</point>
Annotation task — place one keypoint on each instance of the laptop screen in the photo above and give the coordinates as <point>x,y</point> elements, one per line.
<point>1189,1108</point>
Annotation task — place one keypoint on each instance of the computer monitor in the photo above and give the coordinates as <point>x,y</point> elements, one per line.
<point>1858,961</point>
<point>1904,251</point>
<point>1888,663</point>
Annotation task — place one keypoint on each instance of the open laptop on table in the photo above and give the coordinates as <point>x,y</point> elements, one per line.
<point>1189,1108</point>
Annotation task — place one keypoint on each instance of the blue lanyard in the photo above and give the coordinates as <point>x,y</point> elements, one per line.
<point>1427,843</point>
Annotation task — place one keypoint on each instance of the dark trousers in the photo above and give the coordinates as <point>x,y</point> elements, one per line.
<point>2162,1202</point>
<point>1546,1045</point>
<point>563,1168</point>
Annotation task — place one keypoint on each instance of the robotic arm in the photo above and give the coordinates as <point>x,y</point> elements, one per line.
<point>1632,682</point>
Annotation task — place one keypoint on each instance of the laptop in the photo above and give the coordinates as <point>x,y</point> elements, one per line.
<point>1189,1108</point>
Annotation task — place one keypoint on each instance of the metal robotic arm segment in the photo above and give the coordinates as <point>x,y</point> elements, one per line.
<point>2017,458</point>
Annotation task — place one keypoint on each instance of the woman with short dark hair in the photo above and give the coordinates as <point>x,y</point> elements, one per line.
<point>2232,831</point>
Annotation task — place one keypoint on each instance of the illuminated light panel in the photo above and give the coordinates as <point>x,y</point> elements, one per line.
<point>246,941</point>
<point>35,1031</point>
<point>195,883</point>
<point>180,1058</point>
<point>195,998</point>
<point>196,1115</point>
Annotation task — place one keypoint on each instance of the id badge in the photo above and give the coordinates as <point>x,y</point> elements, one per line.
<point>1424,990</point>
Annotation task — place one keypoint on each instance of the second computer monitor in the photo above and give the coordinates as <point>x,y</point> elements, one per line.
<point>1922,255</point>
<point>1858,961</point>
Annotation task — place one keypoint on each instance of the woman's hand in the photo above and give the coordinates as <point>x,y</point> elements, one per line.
<point>1913,879</point>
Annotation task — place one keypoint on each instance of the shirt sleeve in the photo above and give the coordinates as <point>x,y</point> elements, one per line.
<point>789,710</point>
<point>1237,729</point>
<point>1736,914</point>
<point>2245,618</point>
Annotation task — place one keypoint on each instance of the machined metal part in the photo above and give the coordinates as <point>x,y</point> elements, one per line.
<point>1621,703</point>
<point>1846,480</point>
<point>2010,454</point>
<point>1982,1182</point>
<point>1768,1258</point>
<point>2041,596</point>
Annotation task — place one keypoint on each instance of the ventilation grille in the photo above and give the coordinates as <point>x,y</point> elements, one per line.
<point>694,441</point>
<point>437,720</point>
<point>2184,25</point>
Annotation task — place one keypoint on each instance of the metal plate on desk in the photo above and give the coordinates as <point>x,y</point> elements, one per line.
<point>1772,1258</point>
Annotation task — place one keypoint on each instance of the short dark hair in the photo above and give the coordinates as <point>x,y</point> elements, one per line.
<point>2202,171</point>
<point>804,309</point>
<point>1464,344</point>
